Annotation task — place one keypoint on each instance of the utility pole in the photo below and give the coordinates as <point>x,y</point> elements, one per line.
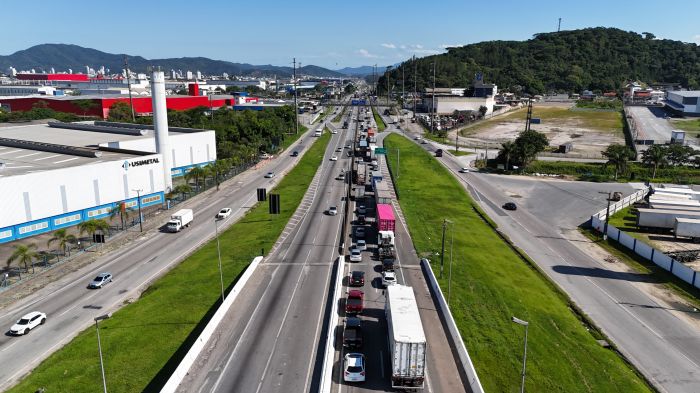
<point>387,84</point>
<point>415,85</point>
<point>128,83</point>
<point>138,196</point>
<point>296,106</point>
<point>442,254</point>
<point>432,117</point>
<point>403,85</point>
<point>559,26</point>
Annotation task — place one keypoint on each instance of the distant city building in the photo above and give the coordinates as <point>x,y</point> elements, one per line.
<point>686,103</point>
<point>199,75</point>
<point>189,75</point>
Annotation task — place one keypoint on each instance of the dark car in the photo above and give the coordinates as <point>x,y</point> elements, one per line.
<point>361,219</point>
<point>357,278</point>
<point>510,206</point>
<point>295,153</point>
<point>438,153</point>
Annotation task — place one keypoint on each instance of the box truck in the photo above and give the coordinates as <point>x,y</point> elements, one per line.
<point>687,227</point>
<point>407,344</point>
<point>385,218</point>
<point>182,218</point>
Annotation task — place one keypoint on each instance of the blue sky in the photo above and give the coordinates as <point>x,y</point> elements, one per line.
<point>323,33</point>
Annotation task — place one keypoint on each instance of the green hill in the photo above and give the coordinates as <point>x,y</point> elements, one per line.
<point>568,61</point>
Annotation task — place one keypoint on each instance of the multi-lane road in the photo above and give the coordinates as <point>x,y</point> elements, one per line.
<point>71,307</point>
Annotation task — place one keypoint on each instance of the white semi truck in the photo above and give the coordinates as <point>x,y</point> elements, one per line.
<point>182,218</point>
<point>407,344</point>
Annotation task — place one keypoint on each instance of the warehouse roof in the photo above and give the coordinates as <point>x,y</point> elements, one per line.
<point>686,93</point>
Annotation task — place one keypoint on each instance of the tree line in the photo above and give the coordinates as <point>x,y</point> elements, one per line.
<point>599,59</point>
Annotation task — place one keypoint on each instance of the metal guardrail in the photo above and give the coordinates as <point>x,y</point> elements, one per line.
<point>326,382</point>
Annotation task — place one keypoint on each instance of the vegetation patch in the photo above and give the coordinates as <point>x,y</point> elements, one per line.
<point>600,172</point>
<point>144,342</point>
<point>460,153</point>
<point>378,119</point>
<point>691,125</point>
<point>490,284</point>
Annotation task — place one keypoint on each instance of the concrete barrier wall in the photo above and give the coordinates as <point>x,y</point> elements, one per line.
<point>662,260</point>
<point>683,272</point>
<point>644,250</point>
<point>184,366</point>
<point>326,383</point>
<point>464,358</point>
<point>625,239</point>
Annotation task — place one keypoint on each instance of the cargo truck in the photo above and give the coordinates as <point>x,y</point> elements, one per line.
<point>407,344</point>
<point>687,227</point>
<point>662,218</point>
<point>182,218</point>
<point>385,218</point>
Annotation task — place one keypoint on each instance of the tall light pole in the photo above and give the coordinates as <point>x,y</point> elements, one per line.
<point>128,84</point>
<point>296,106</point>
<point>138,202</point>
<point>218,251</point>
<point>99,348</point>
<point>388,68</point>
<point>442,254</point>
<point>415,85</point>
<point>607,213</point>
<point>526,324</point>
<point>449,279</point>
<point>432,118</point>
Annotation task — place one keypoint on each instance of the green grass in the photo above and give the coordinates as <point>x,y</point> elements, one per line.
<point>339,117</point>
<point>143,342</point>
<point>378,119</point>
<point>592,171</point>
<point>690,125</point>
<point>324,113</point>
<point>491,283</point>
<point>291,138</point>
<point>604,121</point>
<point>460,153</point>
<point>651,271</point>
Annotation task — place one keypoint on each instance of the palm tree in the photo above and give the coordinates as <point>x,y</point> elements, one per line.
<point>121,211</point>
<point>182,189</point>
<point>655,155</point>
<point>618,155</point>
<point>507,150</point>
<point>92,226</point>
<point>63,238</point>
<point>23,254</point>
<point>194,173</point>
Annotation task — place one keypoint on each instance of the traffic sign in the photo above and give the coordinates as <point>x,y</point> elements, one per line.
<point>380,150</point>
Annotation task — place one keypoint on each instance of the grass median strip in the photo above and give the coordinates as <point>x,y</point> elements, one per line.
<point>378,119</point>
<point>490,284</point>
<point>143,342</point>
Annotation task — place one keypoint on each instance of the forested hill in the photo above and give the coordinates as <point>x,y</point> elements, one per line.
<point>568,61</point>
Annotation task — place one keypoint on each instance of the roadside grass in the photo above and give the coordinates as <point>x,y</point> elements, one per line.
<point>291,138</point>
<point>324,113</point>
<point>691,125</point>
<point>651,271</point>
<point>340,115</point>
<point>604,121</point>
<point>460,153</point>
<point>378,119</point>
<point>491,284</point>
<point>144,341</point>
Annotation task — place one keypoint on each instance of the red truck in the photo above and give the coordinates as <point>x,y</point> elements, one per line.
<point>354,304</point>
<point>385,218</point>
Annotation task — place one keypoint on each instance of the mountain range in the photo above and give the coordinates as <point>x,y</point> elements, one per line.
<point>64,56</point>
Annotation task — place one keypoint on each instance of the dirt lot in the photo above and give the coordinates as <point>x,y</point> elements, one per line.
<point>589,131</point>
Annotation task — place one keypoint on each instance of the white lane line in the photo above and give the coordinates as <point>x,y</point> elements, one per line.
<point>66,160</point>
<point>82,299</point>
<point>47,157</point>
<point>28,155</point>
<point>9,346</point>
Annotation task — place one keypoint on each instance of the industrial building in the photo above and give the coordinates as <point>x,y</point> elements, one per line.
<point>686,103</point>
<point>59,174</point>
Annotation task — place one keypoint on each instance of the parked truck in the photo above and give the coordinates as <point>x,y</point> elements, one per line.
<point>687,227</point>
<point>407,344</point>
<point>663,218</point>
<point>386,250</point>
<point>182,218</point>
<point>385,218</point>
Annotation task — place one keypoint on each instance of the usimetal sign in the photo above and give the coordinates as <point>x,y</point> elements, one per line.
<point>148,161</point>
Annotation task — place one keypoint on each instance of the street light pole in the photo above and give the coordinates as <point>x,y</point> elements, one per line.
<point>442,254</point>
<point>607,214</point>
<point>432,118</point>
<point>99,348</point>
<point>138,197</point>
<point>218,251</point>
<point>526,324</point>
<point>449,279</point>
<point>296,105</point>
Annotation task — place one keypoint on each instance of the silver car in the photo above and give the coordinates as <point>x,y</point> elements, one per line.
<point>101,280</point>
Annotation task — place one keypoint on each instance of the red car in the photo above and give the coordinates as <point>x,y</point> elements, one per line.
<point>355,302</point>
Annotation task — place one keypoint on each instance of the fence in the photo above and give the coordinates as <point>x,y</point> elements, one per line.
<point>640,248</point>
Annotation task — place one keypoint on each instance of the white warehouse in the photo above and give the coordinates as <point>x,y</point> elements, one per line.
<point>59,174</point>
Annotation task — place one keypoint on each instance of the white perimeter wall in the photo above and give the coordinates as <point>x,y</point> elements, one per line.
<point>187,148</point>
<point>43,194</point>
<point>447,105</point>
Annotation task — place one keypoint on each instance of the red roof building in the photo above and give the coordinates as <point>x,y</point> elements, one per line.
<point>53,77</point>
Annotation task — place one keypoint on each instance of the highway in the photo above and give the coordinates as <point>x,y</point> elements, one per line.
<point>661,341</point>
<point>71,307</point>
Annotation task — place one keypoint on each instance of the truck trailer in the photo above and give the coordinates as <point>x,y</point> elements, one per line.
<point>182,218</point>
<point>662,218</point>
<point>385,218</point>
<point>687,227</point>
<point>407,344</point>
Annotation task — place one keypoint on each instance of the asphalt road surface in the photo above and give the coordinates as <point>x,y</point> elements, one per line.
<point>71,307</point>
<point>664,347</point>
<point>651,123</point>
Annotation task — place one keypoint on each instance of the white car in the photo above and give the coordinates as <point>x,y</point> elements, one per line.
<point>354,370</point>
<point>388,278</point>
<point>270,175</point>
<point>361,245</point>
<point>417,138</point>
<point>334,132</point>
<point>27,323</point>
<point>334,158</point>
<point>332,211</point>
<point>463,170</point>
<point>101,280</point>
<point>223,213</point>
<point>355,255</point>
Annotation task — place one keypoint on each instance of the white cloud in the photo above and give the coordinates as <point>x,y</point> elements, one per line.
<point>402,46</point>
<point>696,39</point>
<point>418,46</point>
<point>445,46</point>
<point>365,53</point>
<point>389,45</point>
